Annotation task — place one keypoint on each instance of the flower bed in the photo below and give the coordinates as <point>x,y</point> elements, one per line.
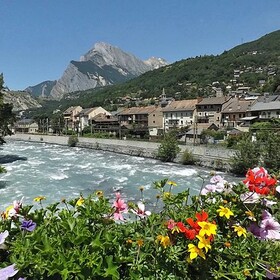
<point>226,232</point>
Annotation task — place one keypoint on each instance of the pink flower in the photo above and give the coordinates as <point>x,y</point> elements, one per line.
<point>171,224</point>
<point>17,204</point>
<point>120,207</point>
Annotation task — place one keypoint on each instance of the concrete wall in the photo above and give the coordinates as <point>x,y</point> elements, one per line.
<point>211,157</point>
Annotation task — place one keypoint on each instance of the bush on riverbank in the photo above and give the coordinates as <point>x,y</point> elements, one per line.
<point>226,232</point>
<point>169,147</point>
<point>73,140</point>
<point>188,158</point>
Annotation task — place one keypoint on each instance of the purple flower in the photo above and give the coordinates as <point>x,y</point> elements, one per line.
<point>3,236</point>
<point>28,225</point>
<point>249,197</point>
<point>270,274</point>
<point>208,188</point>
<point>216,179</point>
<point>7,272</point>
<point>268,228</point>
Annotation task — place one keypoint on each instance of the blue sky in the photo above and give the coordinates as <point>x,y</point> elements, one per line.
<point>38,38</point>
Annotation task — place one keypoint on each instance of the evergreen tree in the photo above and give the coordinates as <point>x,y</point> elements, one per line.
<point>7,117</point>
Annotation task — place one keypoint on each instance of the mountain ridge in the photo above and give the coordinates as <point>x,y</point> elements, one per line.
<point>102,65</point>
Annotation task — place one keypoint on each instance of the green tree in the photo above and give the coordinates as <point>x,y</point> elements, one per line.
<point>169,148</point>
<point>7,117</point>
<point>247,155</point>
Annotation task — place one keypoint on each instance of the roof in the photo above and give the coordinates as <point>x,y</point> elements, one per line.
<point>25,121</point>
<point>181,105</point>
<point>138,110</point>
<point>86,111</point>
<point>248,118</point>
<point>214,100</point>
<point>265,106</point>
<point>235,132</point>
<point>235,106</point>
<point>104,118</point>
<point>70,110</point>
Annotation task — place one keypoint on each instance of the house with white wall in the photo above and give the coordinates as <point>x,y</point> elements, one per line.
<point>179,113</point>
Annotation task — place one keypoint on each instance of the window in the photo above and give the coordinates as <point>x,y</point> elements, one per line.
<point>154,121</point>
<point>181,122</point>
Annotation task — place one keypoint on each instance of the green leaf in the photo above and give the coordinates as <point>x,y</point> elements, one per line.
<point>111,270</point>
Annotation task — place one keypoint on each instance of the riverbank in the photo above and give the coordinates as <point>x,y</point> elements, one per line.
<point>210,157</point>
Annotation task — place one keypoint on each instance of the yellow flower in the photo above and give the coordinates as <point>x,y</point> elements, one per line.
<point>99,193</point>
<point>250,215</point>
<point>39,198</point>
<point>172,183</point>
<point>203,243</point>
<point>80,201</point>
<point>140,242</point>
<point>5,215</point>
<point>166,195</point>
<point>164,240</point>
<point>207,228</point>
<point>195,251</point>
<point>224,211</point>
<point>240,230</point>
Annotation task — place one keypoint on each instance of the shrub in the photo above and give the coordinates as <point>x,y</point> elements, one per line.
<point>225,232</point>
<point>247,156</point>
<point>169,148</point>
<point>188,157</point>
<point>72,141</point>
<point>2,169</point>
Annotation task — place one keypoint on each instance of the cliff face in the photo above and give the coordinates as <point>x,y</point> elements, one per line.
<point>101,66</point>
<point>21,100</point>
<point>41,90</point>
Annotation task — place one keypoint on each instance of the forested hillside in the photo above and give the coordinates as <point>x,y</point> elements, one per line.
<point>255,64</point>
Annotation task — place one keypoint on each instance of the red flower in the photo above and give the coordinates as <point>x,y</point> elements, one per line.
<point>192,230</point>
<point>258,180</point>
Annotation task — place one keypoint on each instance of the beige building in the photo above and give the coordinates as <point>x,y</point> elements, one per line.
<point>142,120</point>
<point>85,116</point>
<point>179,114</point>
<point>70,118</point>
<point>26,126</point>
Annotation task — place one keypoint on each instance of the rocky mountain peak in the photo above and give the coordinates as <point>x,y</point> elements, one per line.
<point>102,65</point>
<point>156,62</point>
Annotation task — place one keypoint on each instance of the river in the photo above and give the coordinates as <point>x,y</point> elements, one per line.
<point>59,172</point>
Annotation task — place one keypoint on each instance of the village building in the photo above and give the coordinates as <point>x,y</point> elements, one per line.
<point>266,107</point>
<point>209,110</point>
<point>179,114</point>
<point>84,117</point>
<point>136,119</point>
<point>70,118</point>
<point>105,123</point>
<point>233,111</point>
<point>26,126</point>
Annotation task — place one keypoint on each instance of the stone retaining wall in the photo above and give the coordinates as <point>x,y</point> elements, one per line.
<point>211,157</point>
